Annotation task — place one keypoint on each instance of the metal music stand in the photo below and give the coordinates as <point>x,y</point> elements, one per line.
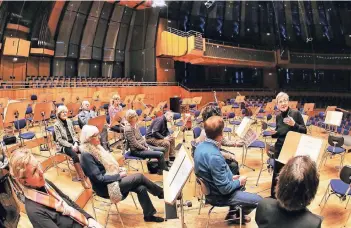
<point>15,111</point>
<point>42,112</point>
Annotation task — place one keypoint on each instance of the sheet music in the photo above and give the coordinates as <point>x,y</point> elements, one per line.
<point>333,118</point>
<point>243,127</point>
<point>309,146</point>
<point>250,137</point>
<point>178,175</point>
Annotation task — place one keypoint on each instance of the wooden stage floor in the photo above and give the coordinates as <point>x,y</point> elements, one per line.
<point>334,214</point>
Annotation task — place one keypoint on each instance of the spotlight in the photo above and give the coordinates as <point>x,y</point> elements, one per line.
<point>208,4</point>
<point>15,59</point>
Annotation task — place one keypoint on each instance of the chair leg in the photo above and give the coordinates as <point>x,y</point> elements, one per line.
<point>241,216</point>
<point>201,203</point>
<point>108,215</point>
<point>262,164</point>
<point>134,201</point>
<point>209,214</point>
<point>119,215</point>
<point>326,191</point>
<point>347,202</point>
<point>347,219</point>
<point>92,205</point>
<point>141,164</point>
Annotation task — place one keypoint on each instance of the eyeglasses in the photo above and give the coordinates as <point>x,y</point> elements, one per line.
<point>283,101</point>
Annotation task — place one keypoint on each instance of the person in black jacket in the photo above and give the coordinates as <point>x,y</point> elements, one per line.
<point>296,188</point>
<point>287,120</point>
<point>158,135</point>
<point>26,170</point>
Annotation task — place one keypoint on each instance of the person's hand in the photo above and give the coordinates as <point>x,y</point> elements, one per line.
<point>242,180</point>
<point>232,157</point>
<point>75,148</point>
<point>122,169</point>
<point>92,223</point>
<point>235,177</point>
<point>273,132</point>
<point>123,174</point>
<point>239,143</point>
<point>289,121</point>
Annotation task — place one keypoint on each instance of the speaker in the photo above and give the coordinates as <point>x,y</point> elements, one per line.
<point>174,103</point>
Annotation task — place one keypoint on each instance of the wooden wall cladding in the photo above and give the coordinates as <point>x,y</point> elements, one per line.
<point>16,47</point>
<point>38,66</point>
<point>55,16</point>
<point>10,68</point>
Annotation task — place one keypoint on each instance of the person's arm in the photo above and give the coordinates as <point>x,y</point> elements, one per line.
<point>38,217</point>
<point>69,201</point>
<point>74,136</point>
<point>276,135</point>
<point>59,139</point>
<point>229,143</point>
<point>133,142</point>
<point>228,155</point>
<point>83,118</point>
<point>92,171</point>
<point>220,176</point>
<point>299,124</point>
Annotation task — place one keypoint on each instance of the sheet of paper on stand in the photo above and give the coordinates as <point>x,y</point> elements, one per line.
<point>178,175</point>
<point>309,146</point>
<point>333,118</point>
<point>250,137</point>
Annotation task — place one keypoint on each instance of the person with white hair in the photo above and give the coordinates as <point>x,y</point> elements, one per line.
<point>85,115</point>
<point>46,205</point>
<point>137,144</point>
<point>67,141</point>
<point>287,120</point>
<point>111,181</point>
<point>159,135</point>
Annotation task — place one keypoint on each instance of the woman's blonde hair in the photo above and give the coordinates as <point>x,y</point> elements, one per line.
<point>131,114</point>
<point>18,162</point>
<point>114,98</point>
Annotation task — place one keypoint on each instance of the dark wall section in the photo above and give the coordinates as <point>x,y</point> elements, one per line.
<point>140,52</point>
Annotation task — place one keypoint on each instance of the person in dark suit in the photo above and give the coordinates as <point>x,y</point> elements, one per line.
<point>296,187</point>
<point>287,120</point>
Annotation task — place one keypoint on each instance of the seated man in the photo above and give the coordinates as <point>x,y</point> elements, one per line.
<point>85,115</point>
<point>210,165</point>
<point>296,188</point>
<point>229,156</point>
<point>45,204</point>
<point>159,135</point>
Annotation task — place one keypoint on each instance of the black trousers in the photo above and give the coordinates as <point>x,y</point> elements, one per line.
<point>151,154</point>
<point>71,154</point>
<point>139,184</point>
<point>276,170</point>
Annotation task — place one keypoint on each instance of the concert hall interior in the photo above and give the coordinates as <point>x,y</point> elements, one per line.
<point>168,114</point>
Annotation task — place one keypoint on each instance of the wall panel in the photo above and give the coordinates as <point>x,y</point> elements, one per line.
<point>94,69</point>
<point>110,41</point>
<point>64,34</point>
<point>122,37</point>
<point>117,70</point>
<point>84,7</point>
<point>58,67</point>
<point>33,66</point>
<point>44,66</point>
<point>83,68</point>
<point>106,11</point>
<point>107,68</point>
<point>96,9</point>
<point>117,13</point>
<point>71,68</point>
<point>78,29</point>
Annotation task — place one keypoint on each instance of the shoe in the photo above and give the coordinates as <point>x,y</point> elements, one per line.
<point>171,158</point>
<point>153,219</point>
<point>234,219</point>
<point>169,164</point>
<point>162,196</point>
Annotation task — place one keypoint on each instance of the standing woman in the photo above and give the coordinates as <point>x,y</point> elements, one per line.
<point>287,120</point>
<point>67,140</point>
<point>113,109</point>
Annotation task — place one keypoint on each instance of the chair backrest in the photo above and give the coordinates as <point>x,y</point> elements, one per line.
<point>231,115</point>
<point>264,125</point>
<point>20,124</point>
<point>336,141</point>
<point>345,174</point>
<point>197,132</point>
<point>204,189</point>
<point>176,116</point>
<point>142,130</point>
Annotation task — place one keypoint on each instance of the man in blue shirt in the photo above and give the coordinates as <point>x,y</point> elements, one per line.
<point>211,166</point>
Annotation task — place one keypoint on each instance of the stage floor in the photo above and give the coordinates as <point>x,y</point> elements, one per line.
<point>334,214</point>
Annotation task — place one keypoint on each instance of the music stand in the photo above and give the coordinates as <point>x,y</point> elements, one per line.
<point>175,179</point>
<point>196,101</point>
<point>308,108</point>
<point>118,118</point>
<point>15,111</point>
<point>98,122</point>
<point>330,108</point>
<point>96,95</point>
<point>42,112</point>
<point>240,99</point>
<point>3,102</point>
<point>270,107</point>
<point>73,109</point>
<point>333,118</point>
<point>300,144</point>
<point>139,98</point>
<point>128,100</point>
<point>95,106</point>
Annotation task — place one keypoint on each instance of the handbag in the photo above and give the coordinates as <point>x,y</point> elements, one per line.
<point>9,139</point>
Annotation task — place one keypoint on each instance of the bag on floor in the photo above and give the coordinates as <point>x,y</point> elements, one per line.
<point>153,167</point>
